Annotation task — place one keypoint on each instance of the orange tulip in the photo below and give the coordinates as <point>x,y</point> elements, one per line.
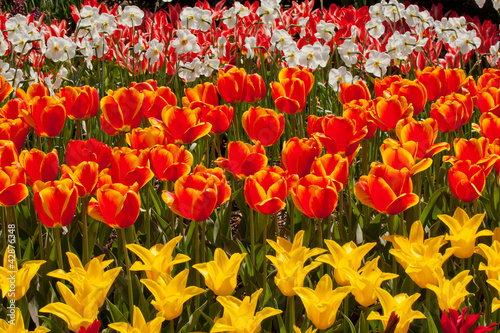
<point>424,133</point>
<point>243,159</point>
<point>494,149</point>
<point>170,162</point>
<point>46,115</point>
<point>334,166</point>
<point>489,126</point>
<point>256,88</point>
<point>12,185</point>
<point>34,90</point>
<point>184,125</point>
<point>5,89</point>
<point>145,138</point>
<point>81,103</point>
<point>358,112</point>
<point>386,190</point>
<point>201,94</point>
<point>157,101</point>
<point>299,154</point>
<point>55,202</point>
<point>386,112</point>
<point>39,166</point>
<point>353,92</point>
<point>266,191</point>
<point>117,205</point>
<point>399,156</point>
<point>289,95</point>
<point>195,197</point>
<point>232,84</point>
<point>488,100</point>
<point>122,109</point>
<point>490,78</point>
<point>219,177</point>
<point>264,125</point>
<point>84,177</point>
<point>15,130</point>
<point>451,113</point>
<point>382,85</point>
<point>129,166</point>
<point>439,81</point>
<point>91,150</point>
<point>414,92</point>
<point>8,153</point>
<point>296,73</point>
<point>220,117</point>
<point>475,151</point>
<point>315,196</point>
<point>466,180</point>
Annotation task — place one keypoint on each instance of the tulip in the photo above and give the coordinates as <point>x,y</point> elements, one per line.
<point>219,177</point>
<point>256,88</point>
<point>8,153</point>
<point>463,231</point>
<point>157,261</point>
<point>299,154</point>
<point>266,191</point>
<point>400,305</point>
<point>348,255</point>
<point>184,125</point>
<point>81,103</point>
<point>289,95</point>
<point>232,84</point>
<point>490,78</point>
<point>309,330</point>
<point>451,112</point>
<point>46,115</point>
<point>200,95</point>
<point>117,205</point>
<point>414,92</point>
<point>129,166</point>
<point>315,196</point>
<point>296,73</point>
<point>55,202</point>
<point>157,100</point>
<point>492,256</point>
<point>170,162</point>
<point>14,130</point>
<point>403,156</point>
<point>22,277</point>
<point>334,166</point>
<point>91,150</point>
<point>353,92</point>
<point>145,138</point>
<point>84,177</point>
<point>220,117</point>
<point>290,260</point>
<point>5,89</point>
<point>13,188</point>
<point>495,283</point>
<point>239,315</point>
<point>475,151</point>
<point>489,126</point>
<point>263,125</point>
<point>386,112</point>
<point>243,159</point>
<point>450,293</point>
<point>386,190</point>
<point>466,180</point>
<point>487,100</point>
<point>122,109</point>
<point>221,273</point>
<point>322,303</point>
<point>357,111</point>
<point>170,295</point>
<point>382,85</point>
<point>453,322</point>
<point>195,197</point>
<point>34,90</point>
<point>424,133</point>
<point>139,324</point>
<point>39,166</point>
<point>17,325</point>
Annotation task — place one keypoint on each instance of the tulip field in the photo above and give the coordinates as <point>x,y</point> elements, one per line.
<point>256,167</point>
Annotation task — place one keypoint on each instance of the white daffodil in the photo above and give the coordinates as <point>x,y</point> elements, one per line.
<point>131,16</point>
<point>338,76</point>
<point>107,23</point>
<point>154,51</point>
<point>250,45</point>
<point>325,30</point>
<point>229,17</point>
<point>185,42</point>
<point>375,28</point>
<point>55,49</point>
<point>291,55</point>
<point>188,18</point>
<point>190,71</point>
<point>280,40</point>
<point>349,52</point>
<point>377,63</point>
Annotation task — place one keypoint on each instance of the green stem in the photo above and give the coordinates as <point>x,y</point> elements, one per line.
<point>171,326</point>
<point>148,218</point>
<point>291,312</point>
<point>129,276</point>
<point>86,257</point>
<point>196,240</point>
<point>171,213</point>
<point>236,127</point>
<point>59,250</point>
<point>264,251</point>
<point>78,130</point>
<point>292,221</point>
<point>252,240</point>
<point>49,143</point>
<point>203,233</point>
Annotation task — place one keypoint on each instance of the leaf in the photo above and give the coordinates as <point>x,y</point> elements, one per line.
<point>430,205</point>
<point>430,322</point>
<point>193,319</point>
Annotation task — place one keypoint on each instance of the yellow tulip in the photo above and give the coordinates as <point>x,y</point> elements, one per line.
<point>90,278</point>
<point>18,279</point>
<point>158,259</point>
<point>401,305</point>
<point>463,231</point>
<point>322,303</point>
<point>139,324</point>
<point>171,294</point>
<point>366,281</point>
<point>79,310</point>
<point>450,293</point>
<point>492,256</point>
<point>419,258</point>
<point>239,315</point>
<point>348,255</point>
<point>289,261</point>
<point>495,283</point>
<point>16,324</point>
<point>221,273</point>
<point>309,330</point>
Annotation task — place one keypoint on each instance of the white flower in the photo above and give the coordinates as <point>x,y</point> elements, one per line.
<point>394,45</point>
<point>349,52</point>
<point>69,47</point>
<point>337,76</point>
<point>62,74</point>
<point>267,12</point>
<point>107,23</point>
<point>34,76</point>
<point>420,44</point>
<point>426,20</point>
<point>190,71</point>
<point>229,18</point>
<point>85,48</point>
<point>325,30</point>
<point>16,24</point>
<point>377,63</point>
<point>204,17</point>
<point>131,16</point>
<point>188,18</point>
<point>221,46</point>
<point>312,56</point>
<point>32,31</point>
<point>139,47</point>
<point>496,4</point>
<point>250,45</point>
<point>154,51</point>
<point>280,39</point>
<point>480,3</point>
<point>87,15</point>
<point>241,10</point>
<point>394,10</point>
<point>291,55</point>
<point>302,23</point>
<point>21,42</point>
<point>4,45</point>
<point>377,12</point>
<point>55,49</point>
<point>15,76</point>
<point>100,46</point>
<point>208,66</point>
<point>412,15</point>
<point>495,54</point>
<point>4,68</point>
<point>185,42</point>
<point>468,41</point>
<point>375,28</point>
<point>408,43</point>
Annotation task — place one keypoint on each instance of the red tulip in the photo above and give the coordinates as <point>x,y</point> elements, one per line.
<point>122,109</point>
<point>39,166</point>
<point>232,84</point>
<point>353,92</point>
<point>12,185</point>
<point>488,100</point>
<point>5,89</point>
<point>466,180</point>
<point>55,202</point>
<point>184,125</point>
<point>256,88</point>
<point>129,166</point>
<point>34,90</point>
<point>299,154</point>
<point>296,73</point>
<point>263,125</point>
<point>424,133</point>
<point>15,130</point>
<point>46,115</point>
<point>358,112</point>
<point>315,196</point>
<point>454,322</point>
<point>386,112</point>
<point>289,95</point>
<point>201,94</point>
<point>266,191</point>
<point>400,156</point>
<point>334,166</point>
<point>8,153</point>
<point>80,103</point>
<point>243,159</point>
<point>170,162</point>
<point>84,177</point>
<point>91,150</point>
<point>475,151</point>
<point>220,117</point>
<point>219,177</point>
<point>145,138</point>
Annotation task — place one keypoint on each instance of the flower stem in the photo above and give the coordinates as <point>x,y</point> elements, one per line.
<point>264,251</point>
<point>129,276</point>
<point>86,257</point>
<point>59,250</point>
<point>148,218</point>
<point>291,312</point>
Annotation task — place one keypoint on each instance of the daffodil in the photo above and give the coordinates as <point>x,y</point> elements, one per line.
<point>158,259</point>
<point>79,310</point>
<point>139,324</point>
<point>289,261</point>
<point>239,315</point>
<point>400,305</point>
<point>90,278</point>
<point>366,281</point>
<point>21,278</point>
<point>419,258</point>
<point>16,325</point>
<point>450,293</point>
<point>348,255</point>
<point>463,231</point>
<point>171,294</point>
<point>221,273</point>
<point>322,303</point>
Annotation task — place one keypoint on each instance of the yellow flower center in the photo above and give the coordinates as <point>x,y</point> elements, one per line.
<point>184,41</point>
<point>56,48</point>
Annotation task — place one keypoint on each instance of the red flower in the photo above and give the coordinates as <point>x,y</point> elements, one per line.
<point>8,153</point>
<point>93,328</point>
<point>315,196</point>
<point>80,103</point>
<point>243,159</point>
<point>256,88</point>
<point>299,154</point>
<point>266,191</point>
<point>122,109</point>
<point>55,202</point>
<point>466,180</point>
<point>39,166</point>
<point>170,162</point>
<point>232,84</point>
<point>353,92</point>
<point>91,150</point>
<point>455,322</point>
<point>263,125</point>
<point>184,125</point>
<point>12,185</point>
<point>129,166</point>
